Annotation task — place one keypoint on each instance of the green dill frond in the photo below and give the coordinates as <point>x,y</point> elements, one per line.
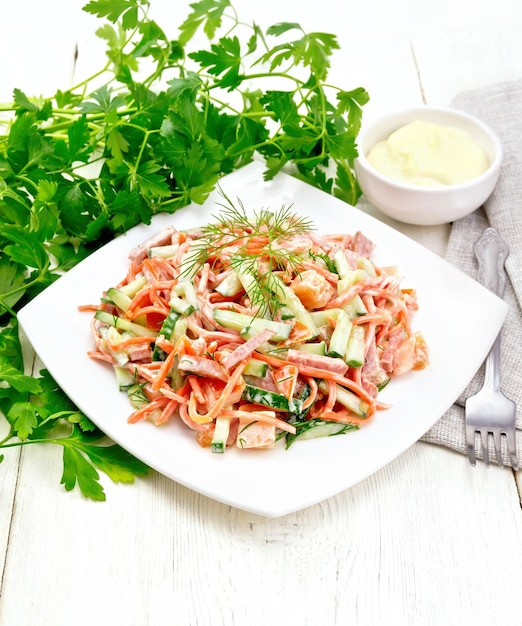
<point>330,265</point>
<point>233,227</point>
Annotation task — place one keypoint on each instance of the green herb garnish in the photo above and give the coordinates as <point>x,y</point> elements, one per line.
<point>87,163</point>
<point>233,226</point>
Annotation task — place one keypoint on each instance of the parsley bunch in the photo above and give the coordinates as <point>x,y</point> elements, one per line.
<point>150,132</point>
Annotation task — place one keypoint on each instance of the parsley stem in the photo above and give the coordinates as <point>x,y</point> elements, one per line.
<point>26,180</point>
<point>9,435</point>
<point>25,442</point>
<point>83,84</point>
<point>286,75</point>
<point>22,288</point>
<point>4,306</point>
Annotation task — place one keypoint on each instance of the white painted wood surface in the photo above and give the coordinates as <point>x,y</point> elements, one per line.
<point>427,540</point>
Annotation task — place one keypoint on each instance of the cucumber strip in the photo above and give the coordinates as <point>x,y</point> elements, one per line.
<point>119,298</point>
<point>355,350</point>
<point>289,299</point>
<point>180,305</point>
<point>167,331</point>
<point>132,288</point>
<point>165,252</point>
<point>272,399</point>
<point>255,367</point>
<point>242,322</point>
<point>137,397</point>
<point>185,290</point>
<point>382,384</point>
<point>355,307</point>
<point>123,324</point>
<point>177,379</point>
<point>250,332</point>
<point>352,402</point>
<point>180,329</point>
<point>318,348</point>
<point>282,330</point>
<point>365,264</point>
<point>349,400</point>
<point>221,432</point>
<point>114,337</point>
<point>124,378</point>
<point>312,429</point>
<point>167,328</point>
<point>230,286</point>
<point>321,318</point>
<point>341,263</point>
<point>286,313</point>
<point>247,280</point>
<point>340,336</point>
<point>354,276</point>
<point>348,276</point>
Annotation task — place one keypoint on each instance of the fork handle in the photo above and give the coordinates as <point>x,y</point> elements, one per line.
<point>492,252</point>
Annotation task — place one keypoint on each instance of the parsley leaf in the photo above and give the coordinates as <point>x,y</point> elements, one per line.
<point>82,456</point>
<point>40,413</point>
<point>207,14</point>
<point>78,470</point>
<point>16,379</point>
<point>223,60</point>
<point>83,165</point>
<point>127,10</point>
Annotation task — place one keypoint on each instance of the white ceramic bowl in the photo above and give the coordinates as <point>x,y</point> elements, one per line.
<point>427,205</point>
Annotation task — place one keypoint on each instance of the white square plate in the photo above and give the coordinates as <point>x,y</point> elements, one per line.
<point>458,318</point>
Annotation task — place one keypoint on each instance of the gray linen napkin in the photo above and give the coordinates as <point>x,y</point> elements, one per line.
<point>500,106</point>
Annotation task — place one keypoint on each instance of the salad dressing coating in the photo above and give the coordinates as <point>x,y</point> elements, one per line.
<point>255,328</point>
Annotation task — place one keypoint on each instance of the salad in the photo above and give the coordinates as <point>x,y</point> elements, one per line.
<point>254,329</point>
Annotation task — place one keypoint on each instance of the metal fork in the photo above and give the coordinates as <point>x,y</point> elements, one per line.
<point>489,411</point>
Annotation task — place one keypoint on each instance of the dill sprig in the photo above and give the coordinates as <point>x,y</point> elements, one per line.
<point>260,241</point>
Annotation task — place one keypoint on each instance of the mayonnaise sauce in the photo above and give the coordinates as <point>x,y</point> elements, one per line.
<point>429,155</point>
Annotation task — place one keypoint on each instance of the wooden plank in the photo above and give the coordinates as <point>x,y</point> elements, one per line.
<point>450,63</point>
<point>393,549</point>
<point>9,470</point>
<point>8,484</point>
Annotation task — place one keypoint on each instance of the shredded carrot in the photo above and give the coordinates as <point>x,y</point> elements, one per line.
<point>142,298</point>
<point>134,269</point>
<point>222,400</point>
<point>315,372</point>
<point>131,341</point>
<point>167,412</point>
<point>145,410</point>
<point>168,393</point>
<point>260,414</point>
<point>313,392</point>
<point>164,370</point>
<point>197,389</point>
<point>198,373</point>
<point>348,295</point>
<point>331,399</point>
<point>146,310</point>
<point>166,345</point>
<point>375,318</point>
<point>344,417</point>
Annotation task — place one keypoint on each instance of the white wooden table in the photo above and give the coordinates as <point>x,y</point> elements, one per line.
<point>426,540</point>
